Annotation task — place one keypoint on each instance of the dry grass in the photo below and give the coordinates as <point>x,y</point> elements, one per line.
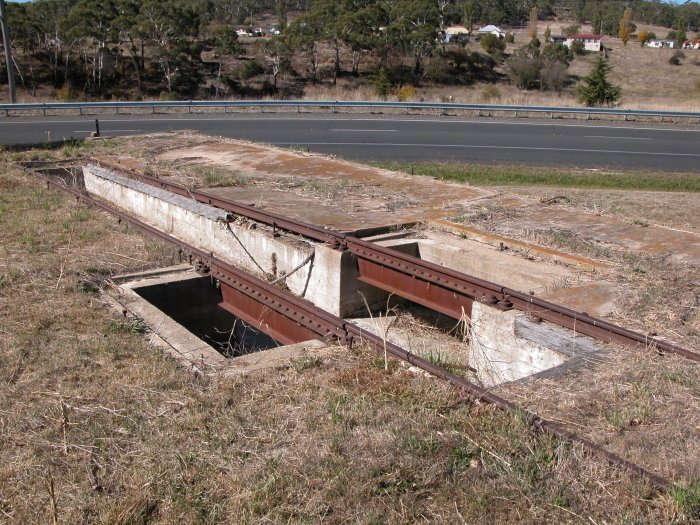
<point>637,404</point>
<point>98,427</point>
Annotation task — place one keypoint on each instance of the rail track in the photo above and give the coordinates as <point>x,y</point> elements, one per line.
<point>311,322</point>
<point>444,290</point>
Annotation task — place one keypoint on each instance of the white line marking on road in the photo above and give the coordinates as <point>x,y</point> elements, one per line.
<point>365,130</point>
<point>613,137</point>
<point>469,146</point>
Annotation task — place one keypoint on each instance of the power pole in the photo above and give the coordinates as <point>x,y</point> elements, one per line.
<point>8,52</point>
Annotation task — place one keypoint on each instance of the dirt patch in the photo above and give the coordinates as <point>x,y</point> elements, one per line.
<point>325,191</point>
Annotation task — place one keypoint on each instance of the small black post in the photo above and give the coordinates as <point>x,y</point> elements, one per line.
<point>97,128</point>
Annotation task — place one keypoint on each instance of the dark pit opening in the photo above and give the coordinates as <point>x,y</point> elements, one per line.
<point>194,304</point>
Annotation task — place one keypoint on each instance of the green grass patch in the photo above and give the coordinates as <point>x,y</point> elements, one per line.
<point>486,175</point>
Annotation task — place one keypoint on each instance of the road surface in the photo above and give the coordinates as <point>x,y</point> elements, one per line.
<point>414,139</point>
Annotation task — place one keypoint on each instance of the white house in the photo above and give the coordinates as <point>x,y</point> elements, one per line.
<point>493,30</point>
<point>590,42</point>
<point>455,33</point>
<point>661,43</point>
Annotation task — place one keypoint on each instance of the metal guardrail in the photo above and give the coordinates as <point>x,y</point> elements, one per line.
<point>10,109</point>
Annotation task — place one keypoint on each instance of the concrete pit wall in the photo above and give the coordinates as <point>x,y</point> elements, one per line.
<point>506,346</point>
<point>330,281</point>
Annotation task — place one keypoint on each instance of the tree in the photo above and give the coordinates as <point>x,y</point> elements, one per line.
<point>275,51</point>
<point>643,37</point>
<point>413,29</point>
<point>281,11</point>
<point>547,33</point>
<point>468,17</point>
<point>680,32</point>
<point>626,26</point>
<point>491,43</point>
<point>573,29</point>
<point>532,31</point>
<point>596,90</point>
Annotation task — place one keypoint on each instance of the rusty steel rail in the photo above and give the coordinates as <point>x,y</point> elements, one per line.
<point>442,289</point>
<point>330,327</point>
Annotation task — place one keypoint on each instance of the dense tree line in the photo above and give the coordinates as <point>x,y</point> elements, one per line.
<point>103,48</point>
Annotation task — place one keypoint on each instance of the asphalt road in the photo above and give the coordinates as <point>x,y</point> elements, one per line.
<point>584,145</point>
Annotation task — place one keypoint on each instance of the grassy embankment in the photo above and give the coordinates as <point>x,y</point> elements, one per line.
<point>486,175</point>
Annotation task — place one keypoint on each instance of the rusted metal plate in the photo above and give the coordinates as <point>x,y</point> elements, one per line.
<point>278,326</point>
<point>417,290</point>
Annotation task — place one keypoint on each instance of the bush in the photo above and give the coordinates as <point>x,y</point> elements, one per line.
<point>167,96</point>
<point>524,70</point>
<point>510,38</point>
<point>676,57</point>
<point>573,29</point>
<point>249,69</point>
<point>557,53</point>
<point>65,93</point>
<point>491,44</point>
<point>554,76</point>
<point>578,48</point>
<point>438,69</point>
<point>407,93</point>
<point>382,86</point>
<point>490,93</point>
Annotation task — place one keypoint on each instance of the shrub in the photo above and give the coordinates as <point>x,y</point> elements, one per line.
<point>65,93</point>
<point>407,93</point>
<point>676,57</point>
<point>438,69</point>
<point>382,86</point>
<point>490,93</point>
<point>510,38</point>
<point>491,44</point>
<point>249,69</point>
<point>557,53</point>
<point>573,29</point>
<point>167,96</point>
<point>524,70</point>
<point>554,76</point>
<point>578,48</point>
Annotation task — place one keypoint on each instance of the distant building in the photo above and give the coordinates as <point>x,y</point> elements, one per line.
<point>557,39</point>
<point>492,30</point>
<point>658,43</point>
<point>590,42</point>
<point>456,33</point>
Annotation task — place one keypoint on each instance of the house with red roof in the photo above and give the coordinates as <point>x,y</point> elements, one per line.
<point>590,42</point>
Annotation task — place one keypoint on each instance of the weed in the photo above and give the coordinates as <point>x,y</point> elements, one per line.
<point>213,180</point>
<point>688,499</point>
<point>87,287</point>
<point>306,363</point>
<point>126,326</point>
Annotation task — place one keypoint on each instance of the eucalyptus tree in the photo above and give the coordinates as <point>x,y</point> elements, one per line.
<point>413,29</point>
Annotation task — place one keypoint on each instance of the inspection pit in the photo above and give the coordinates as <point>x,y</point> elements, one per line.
<point>503,346</point>
<point>181,310</point>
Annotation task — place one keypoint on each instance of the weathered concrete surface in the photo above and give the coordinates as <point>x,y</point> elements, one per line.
<point>506,346</point>
<point>385,197</point>
<point>486,262</point>
<point>329,280</point>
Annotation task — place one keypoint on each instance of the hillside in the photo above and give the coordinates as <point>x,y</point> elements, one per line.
<point>125,50</point>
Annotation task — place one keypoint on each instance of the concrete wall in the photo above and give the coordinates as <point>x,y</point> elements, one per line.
<point>505,346</point>
<point>330,282</point>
